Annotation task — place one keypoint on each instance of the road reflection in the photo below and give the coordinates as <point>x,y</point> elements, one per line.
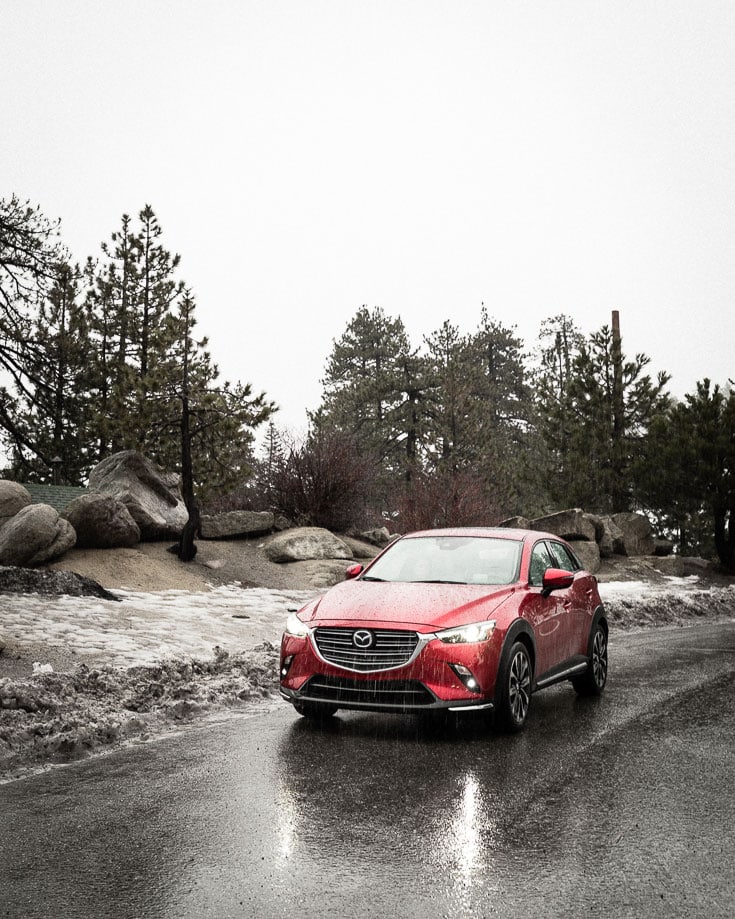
<point>363,785</point>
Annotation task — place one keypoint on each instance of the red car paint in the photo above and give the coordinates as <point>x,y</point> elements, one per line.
<point>557,621</point>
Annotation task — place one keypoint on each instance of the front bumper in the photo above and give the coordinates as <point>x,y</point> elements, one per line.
<point>402,699</point>
<point>430,681</point>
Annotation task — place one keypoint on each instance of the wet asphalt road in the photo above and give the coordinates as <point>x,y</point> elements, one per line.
<point>618,807</point>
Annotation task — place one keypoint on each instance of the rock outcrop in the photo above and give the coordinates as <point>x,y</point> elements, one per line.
<point>637,534</point>
<point>570,525</point>
<point>13,498</point>
<point>360,548</point>
<point>34,536</point>
<point>152,496</point>
<point>306,543</point>
<point>380,536</point>
<point>588,553</point>
<point>234,524</point>
<point>102,522</point>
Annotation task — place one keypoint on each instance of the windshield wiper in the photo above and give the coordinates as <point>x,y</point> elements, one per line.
<point>438,581</point>
<point>369,577</point>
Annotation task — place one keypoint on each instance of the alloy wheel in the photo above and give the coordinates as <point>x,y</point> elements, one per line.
<point>519,687</point>
<point>599,658</point>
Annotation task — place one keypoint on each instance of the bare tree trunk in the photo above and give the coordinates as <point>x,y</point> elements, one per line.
<point>187,547</point>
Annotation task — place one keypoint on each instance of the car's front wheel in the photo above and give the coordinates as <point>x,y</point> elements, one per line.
<point>315,711</point>
<point>514,696</point>
<point>592,681</point>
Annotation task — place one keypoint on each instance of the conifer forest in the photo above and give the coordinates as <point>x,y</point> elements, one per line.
<point>465,427</point>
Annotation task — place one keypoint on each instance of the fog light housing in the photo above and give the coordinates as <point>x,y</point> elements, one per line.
<point>467,677</point>
<point>286,665</point>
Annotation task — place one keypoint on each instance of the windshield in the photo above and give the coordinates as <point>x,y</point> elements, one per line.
<point>449,559</point>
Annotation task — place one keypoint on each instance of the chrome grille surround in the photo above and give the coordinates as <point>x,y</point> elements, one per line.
<point>390,649</point>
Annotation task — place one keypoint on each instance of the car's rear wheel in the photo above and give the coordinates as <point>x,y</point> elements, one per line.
<point>514,697</point>
<point>592,681</point>
<point>315,711</point>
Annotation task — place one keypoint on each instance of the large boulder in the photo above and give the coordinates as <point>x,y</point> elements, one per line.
<point>636,532</point>
<point>516,523</point>
<point>380,536</point>
<point>102,522</point>
<point>305,543</point>
<point>611,540</point>
<point>360,548</point>
<point>233,524</point>
<point>13,498</point>
<point>570,524</point>
<point>318,574</point>
<point>588,553</point>
<point>34,536</point>
<point>152,496</point>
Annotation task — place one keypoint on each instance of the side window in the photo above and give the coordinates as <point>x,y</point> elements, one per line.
<point>565,559</point>
<point>540,560</point>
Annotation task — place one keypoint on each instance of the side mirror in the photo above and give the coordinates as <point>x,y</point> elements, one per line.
<point>352,572</point>
<point>556,579</point>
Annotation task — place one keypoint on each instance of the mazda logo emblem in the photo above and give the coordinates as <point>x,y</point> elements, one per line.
<point>363,639</point>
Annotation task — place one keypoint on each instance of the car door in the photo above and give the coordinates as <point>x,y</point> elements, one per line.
<point>546,614</point>
<point>576,600</point>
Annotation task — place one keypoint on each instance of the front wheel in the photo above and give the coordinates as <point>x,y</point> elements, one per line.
<point>592,681</point>
<point>514,697</point>
<point>315,711</point>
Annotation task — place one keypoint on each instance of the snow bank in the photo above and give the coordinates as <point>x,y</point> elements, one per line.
<point>147,627</point>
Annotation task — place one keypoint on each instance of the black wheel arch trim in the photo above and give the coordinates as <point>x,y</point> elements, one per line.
<point>517,628</point>
<point>600,616</point>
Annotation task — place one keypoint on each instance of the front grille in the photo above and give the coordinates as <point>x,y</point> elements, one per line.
<point>397,694</point>
<point>390,648</point>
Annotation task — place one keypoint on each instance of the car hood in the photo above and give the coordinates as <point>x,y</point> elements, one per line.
<point>422,606</point>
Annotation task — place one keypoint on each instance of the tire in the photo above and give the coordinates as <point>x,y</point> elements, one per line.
<point>514,690</point>
<point>592,681</point>
<point>315,711</point>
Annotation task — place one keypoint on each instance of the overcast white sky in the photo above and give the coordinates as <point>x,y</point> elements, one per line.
<point>306,158</point>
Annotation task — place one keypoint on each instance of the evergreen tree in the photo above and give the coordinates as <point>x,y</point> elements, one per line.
<point>119,289</point>
<point>29,252</point>
<point>595,429</point>
<point>499,410</point>
<point>448,396</point>
<point>687,472</point>
<point>371,390</point>
<point>51,426</point>
<point>220,418</point>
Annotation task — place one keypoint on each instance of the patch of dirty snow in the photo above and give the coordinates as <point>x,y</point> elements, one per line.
<point>146,627</point>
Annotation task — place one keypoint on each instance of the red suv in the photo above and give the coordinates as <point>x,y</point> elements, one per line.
<point>455,619</point>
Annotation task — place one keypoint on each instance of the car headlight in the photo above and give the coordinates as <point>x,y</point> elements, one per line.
<point>464,634</point>
<point>295,627</point>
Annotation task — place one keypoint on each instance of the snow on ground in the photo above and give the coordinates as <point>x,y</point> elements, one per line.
<point>147,627</point>
<point>670,601</point>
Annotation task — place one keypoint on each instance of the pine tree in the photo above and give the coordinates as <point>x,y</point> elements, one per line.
<point>601,440</point>
<point>221,418</point>
<point>371,391</point>
<point>499,410</point>
<point>29,252</point>
<point>448,396</point>
<point>119,285</point>
<point>52,422</point>
<point>687,472</point>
